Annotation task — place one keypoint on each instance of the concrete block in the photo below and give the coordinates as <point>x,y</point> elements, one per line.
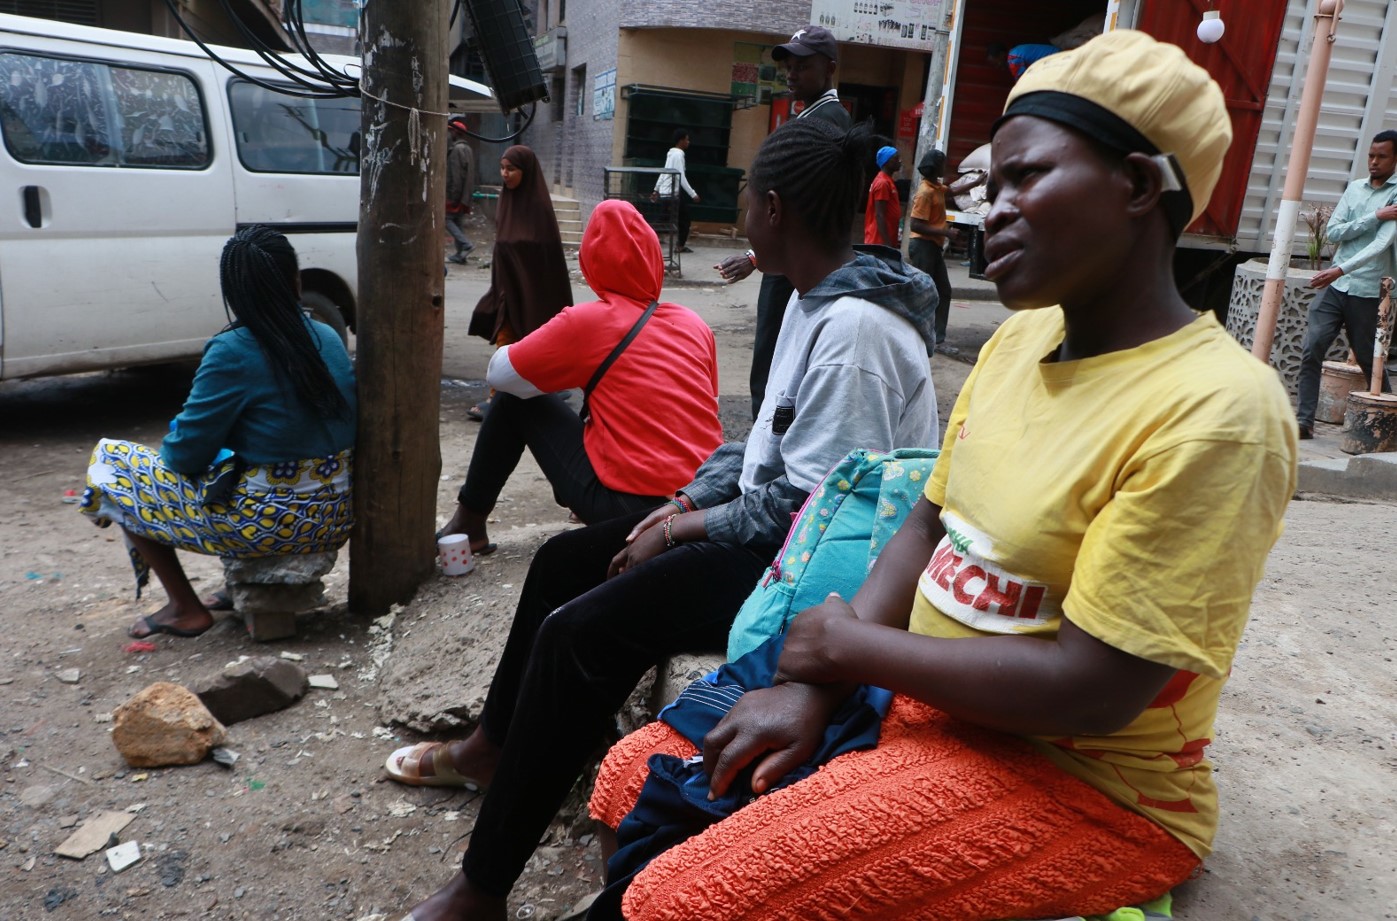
<point>269,599</point>
<point>263,684</point>
<point>677,673</point>
<point>288,569</point>
<point>265,626</point>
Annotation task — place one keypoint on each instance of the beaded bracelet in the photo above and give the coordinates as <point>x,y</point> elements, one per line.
<point>679,505</point>
<point>666,530</point>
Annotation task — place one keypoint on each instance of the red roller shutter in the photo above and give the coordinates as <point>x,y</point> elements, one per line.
<point>1241,64</point>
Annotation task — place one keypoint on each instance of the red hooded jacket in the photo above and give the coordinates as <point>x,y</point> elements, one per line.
<point>655,412</point>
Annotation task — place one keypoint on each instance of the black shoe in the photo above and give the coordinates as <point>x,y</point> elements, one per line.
<point>685,249</point>
<point>1306,433</point>
<point>458,258</point>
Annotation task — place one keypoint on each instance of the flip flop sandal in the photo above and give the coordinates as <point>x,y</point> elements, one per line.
<point>154,626</point>
<point>403,766</point>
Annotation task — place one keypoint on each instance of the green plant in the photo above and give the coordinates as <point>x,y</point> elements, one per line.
<point>1318,246</point>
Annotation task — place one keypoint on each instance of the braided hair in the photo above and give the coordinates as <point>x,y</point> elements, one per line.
<point>258,274</point>
<point>818,171</point>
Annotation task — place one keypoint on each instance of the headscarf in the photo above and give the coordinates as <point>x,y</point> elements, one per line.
<point>529,281</point>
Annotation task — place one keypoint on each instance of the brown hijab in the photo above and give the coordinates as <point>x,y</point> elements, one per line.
<point>528,276</point>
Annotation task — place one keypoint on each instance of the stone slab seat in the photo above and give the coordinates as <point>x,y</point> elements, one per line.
<point>268,591</point>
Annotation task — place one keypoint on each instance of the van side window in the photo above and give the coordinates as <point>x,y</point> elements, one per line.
<point>84,113</point>
<point>278,133</point>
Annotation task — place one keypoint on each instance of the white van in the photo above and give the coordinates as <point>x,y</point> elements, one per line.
<point>127,162</point>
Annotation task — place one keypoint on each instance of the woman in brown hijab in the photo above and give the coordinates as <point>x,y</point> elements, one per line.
<point>528,275</point>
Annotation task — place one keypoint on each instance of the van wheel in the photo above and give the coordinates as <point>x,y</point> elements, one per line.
<point>319,307</point>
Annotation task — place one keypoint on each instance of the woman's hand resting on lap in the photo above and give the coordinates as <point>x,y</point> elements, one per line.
<point>781,726</point>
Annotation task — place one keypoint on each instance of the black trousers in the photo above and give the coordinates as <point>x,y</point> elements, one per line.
<point>775,292</point>
<point>1332,309</point>
<point>927,256</point>
<point>552,432</point>
<point>578,645</point>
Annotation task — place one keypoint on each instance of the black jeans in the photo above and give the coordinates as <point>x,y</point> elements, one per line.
<point>1359,317</point>
<point>579,644</point>
<point>552,432</point>
<point>927,256</point>
<point>776,291</point>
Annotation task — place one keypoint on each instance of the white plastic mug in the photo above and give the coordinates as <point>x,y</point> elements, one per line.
<point>455,553</point>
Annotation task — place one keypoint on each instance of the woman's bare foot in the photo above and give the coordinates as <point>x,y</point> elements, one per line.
<point>174,620</point>
<point>458,900</point>
<point>465,521</point>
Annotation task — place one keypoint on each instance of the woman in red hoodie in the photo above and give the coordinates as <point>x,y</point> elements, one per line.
<point>653,414</point>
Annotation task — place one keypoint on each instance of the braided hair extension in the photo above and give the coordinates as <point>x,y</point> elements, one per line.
<point>258,273</point>
<point>818,171</point>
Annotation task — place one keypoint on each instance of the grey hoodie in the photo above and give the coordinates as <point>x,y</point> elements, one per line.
<point>850,371</point>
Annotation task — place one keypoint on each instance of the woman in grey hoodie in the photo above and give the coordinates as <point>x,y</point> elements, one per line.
<point>603,604</point>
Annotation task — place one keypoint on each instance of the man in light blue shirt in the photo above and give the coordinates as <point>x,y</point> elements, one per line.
<point>1364,224</point>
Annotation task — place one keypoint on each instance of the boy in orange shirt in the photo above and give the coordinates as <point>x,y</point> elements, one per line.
<point>930,234</point>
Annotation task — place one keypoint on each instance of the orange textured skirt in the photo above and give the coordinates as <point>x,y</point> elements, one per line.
<point>943,821</point>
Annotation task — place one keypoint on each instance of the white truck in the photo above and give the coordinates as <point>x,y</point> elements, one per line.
<point>1259,63</point>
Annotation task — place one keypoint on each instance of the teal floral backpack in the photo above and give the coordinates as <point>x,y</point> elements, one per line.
<point>834,541</point>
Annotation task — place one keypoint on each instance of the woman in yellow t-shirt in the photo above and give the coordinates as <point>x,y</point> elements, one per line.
<point>1061,609</point>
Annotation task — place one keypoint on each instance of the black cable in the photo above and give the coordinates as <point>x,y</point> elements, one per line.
<point>323,82</point>
<point>295,18</point>
<point>270,56</point>
<point>533,107</point>
<point>327,94</point>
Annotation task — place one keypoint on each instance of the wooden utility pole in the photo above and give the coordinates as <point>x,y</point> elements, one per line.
<point>397,457</point>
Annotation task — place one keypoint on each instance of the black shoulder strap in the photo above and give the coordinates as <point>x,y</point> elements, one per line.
<point>586,413</point>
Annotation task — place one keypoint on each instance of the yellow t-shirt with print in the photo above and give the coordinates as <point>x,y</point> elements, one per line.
<point>1136,493</point>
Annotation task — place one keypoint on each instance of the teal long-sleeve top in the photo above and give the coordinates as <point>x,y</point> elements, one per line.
<point>1365,250</point>
<point>238,402</point>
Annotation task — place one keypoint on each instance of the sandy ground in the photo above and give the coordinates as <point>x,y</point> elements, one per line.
<point>305,827</point>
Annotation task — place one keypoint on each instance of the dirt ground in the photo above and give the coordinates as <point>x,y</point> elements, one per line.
<point>305,827</point>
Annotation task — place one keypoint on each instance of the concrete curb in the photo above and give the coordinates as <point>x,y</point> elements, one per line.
<point>1365,476</point>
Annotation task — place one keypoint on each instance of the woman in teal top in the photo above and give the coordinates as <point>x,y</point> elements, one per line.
<point>257,463</point>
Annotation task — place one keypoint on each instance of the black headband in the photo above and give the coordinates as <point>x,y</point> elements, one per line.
<point>1106,128</point>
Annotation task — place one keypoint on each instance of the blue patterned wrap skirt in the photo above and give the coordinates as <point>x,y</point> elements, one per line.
<point>273,509</point>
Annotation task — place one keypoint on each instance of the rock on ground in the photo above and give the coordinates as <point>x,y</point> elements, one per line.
<point>165,724</point>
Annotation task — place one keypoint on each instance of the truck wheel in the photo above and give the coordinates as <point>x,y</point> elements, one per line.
<point>319,307</point>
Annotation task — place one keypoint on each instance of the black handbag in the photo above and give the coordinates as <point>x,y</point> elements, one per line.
<point>586,412</point>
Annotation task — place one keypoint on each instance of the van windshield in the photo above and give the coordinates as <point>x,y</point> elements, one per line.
<point>278,133</point>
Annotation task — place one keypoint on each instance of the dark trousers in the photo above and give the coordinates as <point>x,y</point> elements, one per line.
<point>683,219</point>
<point>776,291</point>
<point>579,644</point>
<point>456,226</point>
<point>552,432</point>
<point>927,256</point>
<point>1329,311</point>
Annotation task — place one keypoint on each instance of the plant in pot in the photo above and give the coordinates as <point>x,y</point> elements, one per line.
<point>1317,245</point>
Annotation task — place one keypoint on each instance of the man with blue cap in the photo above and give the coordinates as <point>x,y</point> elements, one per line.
<point>882,219</point>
